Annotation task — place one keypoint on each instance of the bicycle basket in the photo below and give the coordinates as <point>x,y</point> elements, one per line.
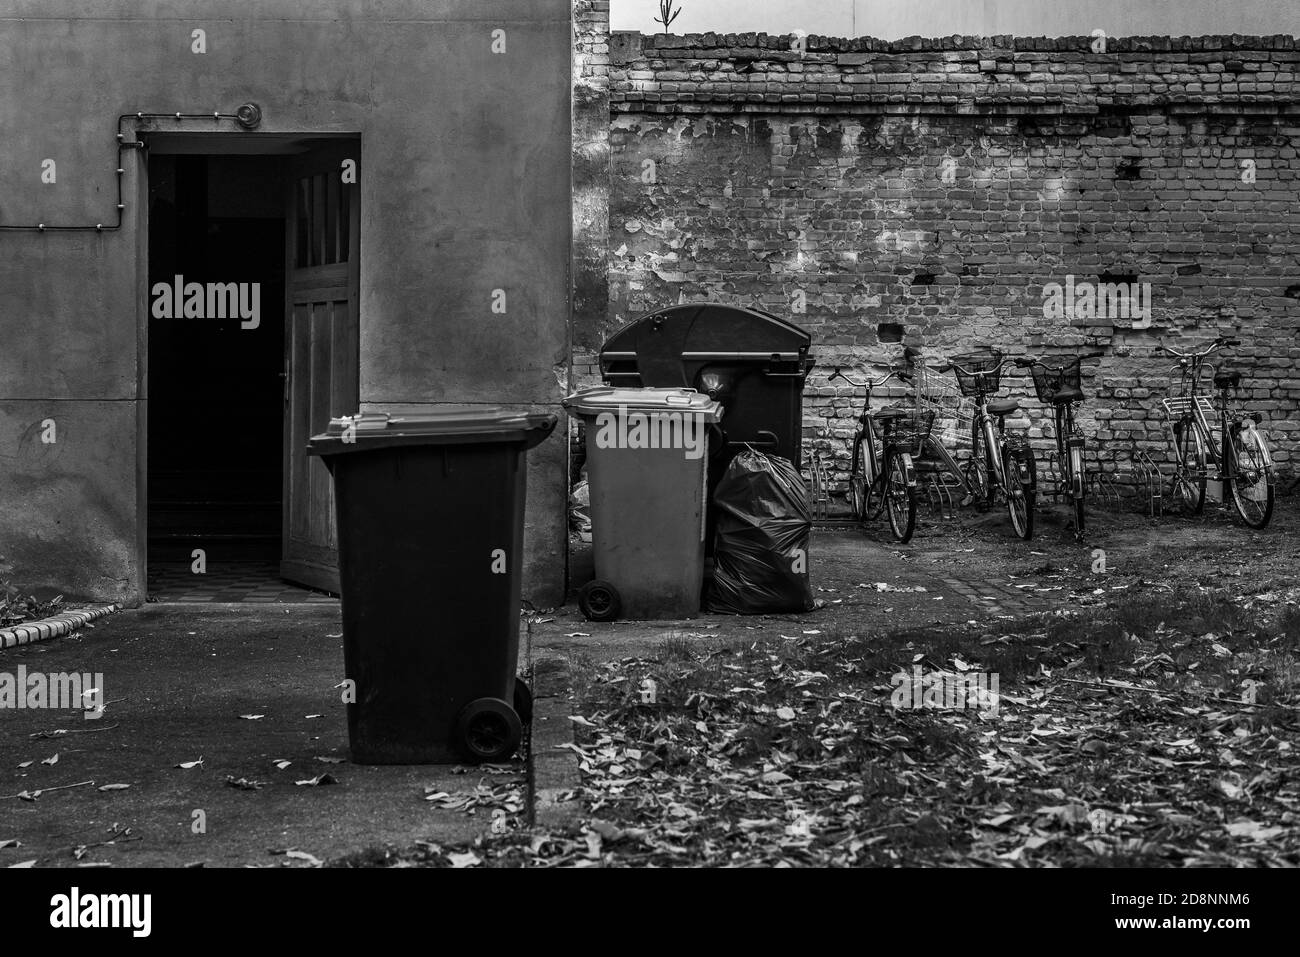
<point>978,373</point>
<point>906,430</point>
<point>1049,382</point>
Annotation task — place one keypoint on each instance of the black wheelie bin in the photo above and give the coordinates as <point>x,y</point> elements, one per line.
<point>430,521</point>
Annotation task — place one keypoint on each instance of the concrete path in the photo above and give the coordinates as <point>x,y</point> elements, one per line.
<point>177,679</point>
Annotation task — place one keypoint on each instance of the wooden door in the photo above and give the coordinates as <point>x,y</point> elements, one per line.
<point>322,359</point>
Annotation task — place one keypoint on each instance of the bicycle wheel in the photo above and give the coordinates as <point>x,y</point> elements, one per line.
<point>1190,470</point>
<point>858,482</point>
<point>977,469</point>
<point>901,500</point>
<point>1252,485</point>
<point>1076,489</point>
<point>1021,481</point>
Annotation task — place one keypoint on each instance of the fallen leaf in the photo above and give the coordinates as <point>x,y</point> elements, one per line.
<point>251,717</point>
<point>786,713</point>
<point>606,830</point>
<point>328,760</point>
<point>10,842</point>
<point>31,863</point>
<point>304,856</point>
<point>52,759</point>
<point>113,787</point>
<point>281,763</point>
<point>317,781</point>
<point>468,859</point>
<point>1253,830</point>
<point>186,765</point>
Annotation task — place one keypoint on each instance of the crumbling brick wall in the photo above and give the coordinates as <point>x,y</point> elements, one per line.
<point>929,191</point>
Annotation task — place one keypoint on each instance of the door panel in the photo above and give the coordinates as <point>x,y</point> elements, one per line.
<point>322,360</point>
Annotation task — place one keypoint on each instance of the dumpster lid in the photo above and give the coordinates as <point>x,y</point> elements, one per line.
<point>611,399</point>
<point>705,330</point>
<point>447,425</point>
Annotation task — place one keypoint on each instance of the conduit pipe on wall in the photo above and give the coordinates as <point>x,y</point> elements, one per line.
<point>247,116</point>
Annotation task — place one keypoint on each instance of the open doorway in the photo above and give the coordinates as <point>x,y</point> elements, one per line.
<point>215,392</point>
<point>252,347</point>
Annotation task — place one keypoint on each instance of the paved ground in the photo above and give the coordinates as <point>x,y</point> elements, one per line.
<point>186,674</point>
<point>179,676</point>
<point>228,582</point>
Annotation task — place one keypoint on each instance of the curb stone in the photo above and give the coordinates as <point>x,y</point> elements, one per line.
<point>553,768</point>
<point>55,627</point>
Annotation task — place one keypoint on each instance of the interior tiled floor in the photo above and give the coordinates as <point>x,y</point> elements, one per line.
<point>228,582</point>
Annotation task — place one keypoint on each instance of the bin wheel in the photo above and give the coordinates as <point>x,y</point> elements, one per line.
<point>598,600</point>
<point>488,730</point>
<point>523,701</point>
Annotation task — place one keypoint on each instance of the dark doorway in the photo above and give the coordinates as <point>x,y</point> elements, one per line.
<point>216,391</point>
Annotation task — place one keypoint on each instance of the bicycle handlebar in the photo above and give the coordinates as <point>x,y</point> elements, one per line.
<point>1220,341</point>
<point>1004,361</point>
<point>891,372</point>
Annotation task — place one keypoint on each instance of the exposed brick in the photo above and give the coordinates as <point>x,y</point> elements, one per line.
<point>939,185</point>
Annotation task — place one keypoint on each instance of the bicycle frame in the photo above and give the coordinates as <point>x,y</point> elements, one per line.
<point>1191,414</point>
<point>995,445</point>
<point>1070,443</point>
<point>887,471</point>
<point>933,447</point>
<point>876,458</point>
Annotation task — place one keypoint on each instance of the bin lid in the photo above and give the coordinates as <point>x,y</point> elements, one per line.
<point>705,330</point>
<point>611,399</point>
<point>446,425</point>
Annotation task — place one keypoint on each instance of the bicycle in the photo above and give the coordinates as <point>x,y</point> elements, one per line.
<point>935,462</point>
<point>1061,387</point>
<point>882,474</point>
<point>1011,472</point>
<point>1241,458</point>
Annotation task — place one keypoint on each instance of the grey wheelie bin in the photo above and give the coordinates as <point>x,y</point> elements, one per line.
<point>647,460</point>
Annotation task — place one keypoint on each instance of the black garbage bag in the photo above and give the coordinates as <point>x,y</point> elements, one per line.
<point>760,558</point>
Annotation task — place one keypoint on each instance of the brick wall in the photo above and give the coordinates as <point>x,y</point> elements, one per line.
<point>930,190</point>
<point>591,176</point>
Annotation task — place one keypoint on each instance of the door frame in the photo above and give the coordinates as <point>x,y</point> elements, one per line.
<point>191,138</point>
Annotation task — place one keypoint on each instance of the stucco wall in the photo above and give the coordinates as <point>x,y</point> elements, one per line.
<point>464,189</point>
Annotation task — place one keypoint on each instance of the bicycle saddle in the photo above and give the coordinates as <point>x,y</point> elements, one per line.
<point>1002,406</point>
<point>884,414</point>
<point>1067,395</point>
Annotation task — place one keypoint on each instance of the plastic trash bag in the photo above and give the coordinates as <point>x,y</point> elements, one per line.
<point>580,509</point>
<point>760,559</point>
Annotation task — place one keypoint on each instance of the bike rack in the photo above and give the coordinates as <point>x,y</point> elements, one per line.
<point>938,486</point>
<point>1052,475</point>
<point>821,498</point>
<point>1101,482</point>
<point>1148,475</point>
